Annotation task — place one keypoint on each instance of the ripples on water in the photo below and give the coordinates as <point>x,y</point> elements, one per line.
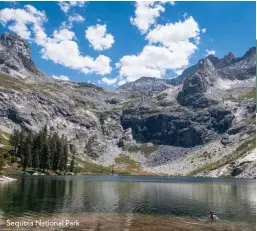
<point>30,197</point>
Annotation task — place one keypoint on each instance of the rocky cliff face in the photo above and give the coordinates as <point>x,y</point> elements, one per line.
<point>197,125</point>
<point>15,59</point>
<point>146,84</point>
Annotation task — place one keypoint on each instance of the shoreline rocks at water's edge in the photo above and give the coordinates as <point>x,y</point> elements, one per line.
<point>6,179</point>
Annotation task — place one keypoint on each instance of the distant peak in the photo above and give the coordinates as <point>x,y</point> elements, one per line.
<point>251,51</point>
<point>230,54</point>
<point>7,35</point>
<point>146,78</point>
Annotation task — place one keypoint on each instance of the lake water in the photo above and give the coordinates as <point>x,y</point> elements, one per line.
<point>233,200</point>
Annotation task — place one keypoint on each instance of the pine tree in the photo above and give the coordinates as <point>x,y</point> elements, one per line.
<point>72,163</point>
<point>15,140</point>
<point>46,156</point>
<point>65,155</point>
<point>58,155</point>
<point>36,159</point>
<point>26,151</point>
<point>2,162</point>
<point>53,151</point>
<point>21,143</point>
<point>41,148</point>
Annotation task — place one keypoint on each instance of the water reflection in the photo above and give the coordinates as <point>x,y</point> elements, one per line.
<point>232,200</point>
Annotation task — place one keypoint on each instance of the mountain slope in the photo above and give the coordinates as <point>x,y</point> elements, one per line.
<point>228,67</point>
<point>199,127</point>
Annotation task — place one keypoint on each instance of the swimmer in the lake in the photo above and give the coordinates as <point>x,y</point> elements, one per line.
<point>213,217</point>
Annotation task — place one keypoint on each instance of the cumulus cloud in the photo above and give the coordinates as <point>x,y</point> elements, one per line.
<point>179,71</point>
<point>99,38</point>
<point>63,50</point>
<point>66,6</point>
<point>170,35</point>
<point>146,14</point>
<point>109,81</point>
<point>204,30</point>
<point>76,18</point>
<point>170,48</point>
<point>123,81</point>
<point>59,48</point>
<point>21,19</point>
<point>210,52</point>
<point>61,77</point>
<point>153,61</point>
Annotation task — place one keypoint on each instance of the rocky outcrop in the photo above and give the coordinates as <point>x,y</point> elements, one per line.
<point>4,179</point>
<point>146,84</point>
<point>15,59</point>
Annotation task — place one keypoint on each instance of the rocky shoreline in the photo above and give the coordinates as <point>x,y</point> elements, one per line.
<point>6,179</point>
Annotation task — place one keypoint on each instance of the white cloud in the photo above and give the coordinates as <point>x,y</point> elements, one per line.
<point>66,6</point>
<point>61,77</point>
<point>153,61</point>
<point>76,18</point>
<point>21,19</point>
<point>210,52</point>
<point>175,45</point>
<point>63,50</point>
<point>179,71</point>
<point>146,14</point>
<point>59,48</point>
<point>170,35</point>
<point>99,38</point>
<point>121,82</point>
<point>204,30</point>
<point>109,81</point>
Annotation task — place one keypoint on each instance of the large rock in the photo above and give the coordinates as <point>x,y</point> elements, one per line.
<point>15,58</point>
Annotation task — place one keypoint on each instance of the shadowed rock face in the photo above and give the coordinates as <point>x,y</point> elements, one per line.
<point>179,128</point>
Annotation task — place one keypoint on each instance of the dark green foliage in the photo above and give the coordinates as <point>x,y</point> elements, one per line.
<point>46,156</point>
<point>64,156</point>
<point>103,117</point>
<point>162,96</point>
<point>72,163</point>
<point>2,161</point>
<point>26,152</point>
<point>40,150</point>
<point>143,148</point>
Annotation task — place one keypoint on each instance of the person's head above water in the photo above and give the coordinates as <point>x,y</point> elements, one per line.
<point>211,212</point>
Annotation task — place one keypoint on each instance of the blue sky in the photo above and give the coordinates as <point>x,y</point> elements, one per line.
<point>110,43</point>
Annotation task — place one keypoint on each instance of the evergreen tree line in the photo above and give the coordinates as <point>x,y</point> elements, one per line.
<point>42,150</point>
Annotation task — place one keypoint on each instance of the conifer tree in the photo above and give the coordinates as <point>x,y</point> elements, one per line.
<point>72,163</point>
<point>58,155</point>
<point>2,161</point>
<point>53,150</point>
<point>26,151</point>
<point>36,159</point>
<point>21,143</point>
<point>46,156</point>
<point>15,140</point>
<point>65,155</point>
